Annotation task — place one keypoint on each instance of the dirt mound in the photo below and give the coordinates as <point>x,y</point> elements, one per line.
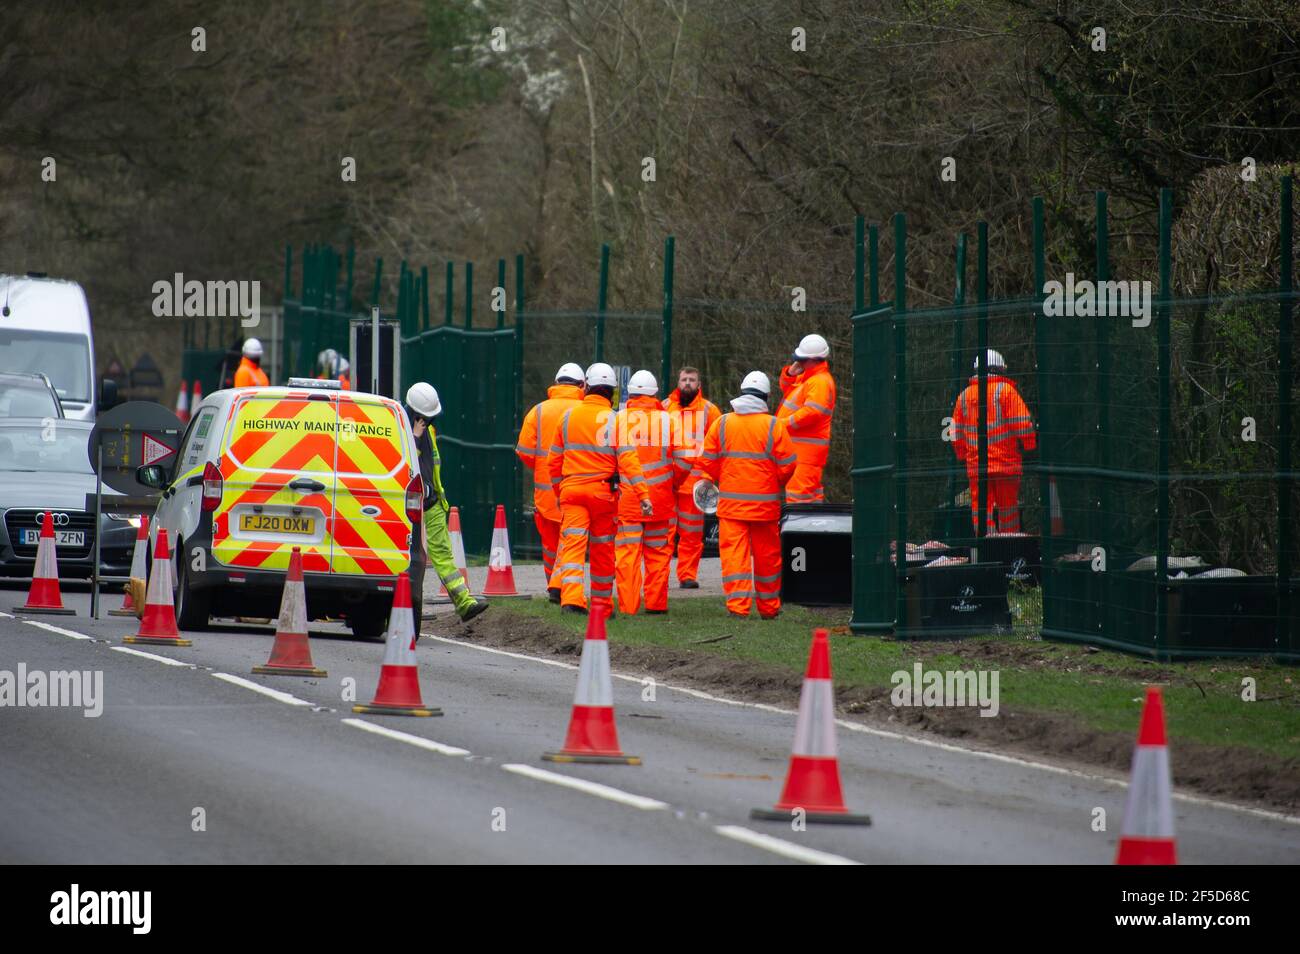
<point>1238,774</point>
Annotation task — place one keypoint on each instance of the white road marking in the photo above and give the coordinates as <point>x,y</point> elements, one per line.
<point>6,615</point>
<point>903,737</point>
<point>591,788</point>
<point>409,739</point>
<point>156,658</point>
<point>275,694</point>
<point>779,846</point>
<point>57,629</point>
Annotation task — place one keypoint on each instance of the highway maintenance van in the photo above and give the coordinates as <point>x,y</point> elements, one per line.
<point>261,470</point>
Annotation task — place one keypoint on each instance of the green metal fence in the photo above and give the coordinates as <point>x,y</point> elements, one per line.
<point>1162,490</point>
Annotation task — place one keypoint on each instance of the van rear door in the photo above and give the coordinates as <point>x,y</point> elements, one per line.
<point>372,534</point>
<point>278,472</point>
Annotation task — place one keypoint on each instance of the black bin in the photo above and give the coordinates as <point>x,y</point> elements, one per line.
<point>1021,557</point>
<point>958,600</point>
<point>817,554</point>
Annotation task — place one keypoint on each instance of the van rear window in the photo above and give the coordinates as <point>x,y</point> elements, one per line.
<point>370,439</point>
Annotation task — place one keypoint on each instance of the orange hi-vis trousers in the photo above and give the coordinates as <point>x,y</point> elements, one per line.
<point>805,484</point>
<point>690,538</point>
<point>549,531</point>
<point>650,543</point>
<point>1003,512</point>
<point>588,519</point>
<point>751,564</point>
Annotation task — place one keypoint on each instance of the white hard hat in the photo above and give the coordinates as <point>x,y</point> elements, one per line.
<point>601,374</point>
<point>252,348</point>
<point>344,365</point>
<point>423,400</point>
<point>570,372</point>
<point>756,383</point>
<point>813,346</point>
<point>643,382</point>
<point>328,359</point>
<point>993,359</point>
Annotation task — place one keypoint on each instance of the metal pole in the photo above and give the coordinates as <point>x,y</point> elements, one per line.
<point>449,295</point>
<point>958,342</point>
<point>99,510</point>
<point>859,265</point>
<point>1163,434</point>
<point>374,349</point>
<point>1286,640</point>
<point>501,284</point>
<point>873,256</point>
<point>1104,516</point>
<point>900,417</point>
<point>982,356</point>
<point>600,302</point>
<point>667,323</point>
<point>469,294</point>
<point>379,278</point>
<point>1044,401</point>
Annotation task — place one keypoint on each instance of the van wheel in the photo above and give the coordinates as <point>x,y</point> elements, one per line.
<point>369,620</point>
<point>192,606</point>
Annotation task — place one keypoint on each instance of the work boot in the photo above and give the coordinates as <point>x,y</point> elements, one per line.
<point>689,585</point>
<point>576,610</point>
<point>474,609</point>
<point>553,594</point>
<point>769,615</point>
<point>735,615</point>
<point>656,612</point>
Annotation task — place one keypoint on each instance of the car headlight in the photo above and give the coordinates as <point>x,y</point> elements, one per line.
<point>132,519</point>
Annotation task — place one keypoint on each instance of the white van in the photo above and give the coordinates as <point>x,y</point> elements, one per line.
<point>45,329</point>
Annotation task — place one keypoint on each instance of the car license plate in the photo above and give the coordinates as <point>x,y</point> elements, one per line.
<point>276,523</point>
<point>64,538</point>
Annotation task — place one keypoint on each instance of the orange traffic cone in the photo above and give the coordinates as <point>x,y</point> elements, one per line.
<point>501,572</point>
<point>592,735</point>
<point>183,402</point>
<point>398,692</point>
<point>1054,506</point>
<point>158,625</point>
<point>291,652</point>
<point>457,548</point>
<point>137,568</point>
<point>812,783</point>
<point>44,596</point>
<point>1147,837</point>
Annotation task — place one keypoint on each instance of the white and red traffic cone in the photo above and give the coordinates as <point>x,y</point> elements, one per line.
<point>197,399</point>
<point>501,572</point>
<point>1147,837</point>
<point>398,692</point>
<point>812,783</point>
<point>291,652</point>
<point>158,625</point>
<point>593,736</point>
<point>1054,507</point>
<point>138,571</point>
<point>457,549</point>
<point>44,596</point>
<point>183,402</point>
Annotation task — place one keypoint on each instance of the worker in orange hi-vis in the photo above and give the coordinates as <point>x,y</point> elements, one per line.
<point>807,404</point>
<point>692,414</point>
<point>646,539</point>
<point>535,439</point>
<point>1011,434</point>
<point>585,463</point>
<point>748,453</point>
<point>250,373</point>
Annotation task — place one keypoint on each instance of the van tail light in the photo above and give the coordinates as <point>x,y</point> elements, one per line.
<point>415,500</point>
<point>212,486</point>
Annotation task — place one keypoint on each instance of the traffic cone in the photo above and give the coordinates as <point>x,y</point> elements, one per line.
<point>457,548</point>
<point>1054,505</point>
<point>593,736</point>
<point>197,399</point>
<point>158,625</point>
<point>398,692</point>
<point>1147,837</point>
<point>812,783</point>
<point>137,568</point>
<point>501,572</point>
<point>183,402</point>
<point>291,652</point>
<point>44,596</point>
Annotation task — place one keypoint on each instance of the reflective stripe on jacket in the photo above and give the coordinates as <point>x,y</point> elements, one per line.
<point>536,438</point>
<point>807,405</point>
<point>645,425</point>
<point>1011,429</point>
<point>586,449</point>
<point>750,458</point>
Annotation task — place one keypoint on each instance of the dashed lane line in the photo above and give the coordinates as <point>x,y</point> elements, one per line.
<point>416,740</point>
<point>782,847</point>
<point>165,660</point>
<point>591,788</point>
<point>275,694</point>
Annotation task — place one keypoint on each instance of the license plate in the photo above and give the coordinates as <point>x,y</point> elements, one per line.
<point>276,523</point>
<point>64,538</point>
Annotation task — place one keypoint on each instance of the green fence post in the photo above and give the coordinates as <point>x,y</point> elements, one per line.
<point>1044,402</point>
<point>469,295</point>
<point>873,256</point>
<point>859,265</point>
<point>519,342</point>
<point>424,298</point>
<point>982,356</point>
<point>958,343</point>
<point>1286,639</point>
<point>347,295</point>
<point>1163,434</point>
<point>900,417</point>
<point>1105,523</point>
<point>379,279</point>
<point>449,294</point>
<point>601,296</point>
<point>666,325</point>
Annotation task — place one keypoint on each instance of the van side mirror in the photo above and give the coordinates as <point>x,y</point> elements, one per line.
<point>152,475</point>
<point>107,394</point>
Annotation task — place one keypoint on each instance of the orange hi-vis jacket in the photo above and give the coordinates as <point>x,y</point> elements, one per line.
<point>586,451</point>
<point>690,424</point>
<point>808,401</point>
<point>648,427</point>
<point>750,458</point>
<point>536,438</point>
<point>1011,429</point>
<point>250,375</point>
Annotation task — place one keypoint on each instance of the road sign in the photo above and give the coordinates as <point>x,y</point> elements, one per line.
<point>132,435</point>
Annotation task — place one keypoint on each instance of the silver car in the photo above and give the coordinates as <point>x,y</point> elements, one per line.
<point>44,466</point>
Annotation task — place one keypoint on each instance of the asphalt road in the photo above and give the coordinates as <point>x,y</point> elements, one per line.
<point>279,781</point>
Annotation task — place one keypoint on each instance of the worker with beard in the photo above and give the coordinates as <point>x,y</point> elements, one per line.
<point>691,415</point>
